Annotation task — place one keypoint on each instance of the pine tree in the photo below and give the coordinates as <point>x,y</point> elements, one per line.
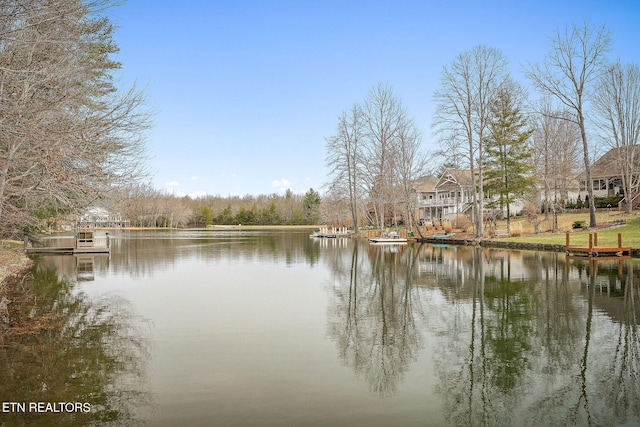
<point>508,154</point>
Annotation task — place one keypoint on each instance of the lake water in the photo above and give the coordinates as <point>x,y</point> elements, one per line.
<point>274,328</point>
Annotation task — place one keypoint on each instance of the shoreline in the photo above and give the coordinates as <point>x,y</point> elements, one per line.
<point>491,243</point>
<point>14,264</point>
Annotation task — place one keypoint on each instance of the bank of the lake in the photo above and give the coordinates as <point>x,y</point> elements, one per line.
<point>14,263</point>
<point>555,242</point>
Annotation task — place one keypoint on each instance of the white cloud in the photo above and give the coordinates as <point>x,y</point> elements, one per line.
<point>197,194</point>
<point>173,184</point>
<point>284,182</point>
<point>281,184</point>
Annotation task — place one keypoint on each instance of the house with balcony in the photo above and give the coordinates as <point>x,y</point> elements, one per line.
<point>449,195</point>
<point>445,196</point>
<point>607,176</point>
<point>96,217</point>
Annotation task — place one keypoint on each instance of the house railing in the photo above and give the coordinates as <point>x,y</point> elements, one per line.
<point>635,202</point>
<point>446,201</point>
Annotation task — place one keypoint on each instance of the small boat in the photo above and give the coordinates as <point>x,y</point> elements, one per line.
<point>396,240</point>
<point>443,236</point>
<point>392,237</point>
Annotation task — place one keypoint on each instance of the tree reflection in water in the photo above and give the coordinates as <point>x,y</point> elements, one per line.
<point>373,316</point>
<point>61,346</point>
<point>517,337</point>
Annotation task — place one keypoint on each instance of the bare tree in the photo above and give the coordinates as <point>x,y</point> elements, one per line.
<point>67,135</point>
<point>411,164</point>
<point>382,117</point>
<point>556,142</point>
<point>376,152</point>
<point>467,87</point>
<point>344,158</point>
<point>576,60</point>
<point>617,103</point>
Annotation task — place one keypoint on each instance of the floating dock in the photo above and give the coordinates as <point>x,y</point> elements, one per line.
<point>596,250</point>
<point>331,232</point>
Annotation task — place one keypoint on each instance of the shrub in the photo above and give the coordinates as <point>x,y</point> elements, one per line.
<point>463,222</point>
<point>516,230</point>
<point>606,202</point>
<point>447,227</point>
<point>579,224</point>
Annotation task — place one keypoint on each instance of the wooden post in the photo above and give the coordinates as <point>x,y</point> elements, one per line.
<point>567,243</point>
<point>590,244</point>
<point>595,239</point>
<point>620,241</point>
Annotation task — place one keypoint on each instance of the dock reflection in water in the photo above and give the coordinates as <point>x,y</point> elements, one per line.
<point>276,328</point>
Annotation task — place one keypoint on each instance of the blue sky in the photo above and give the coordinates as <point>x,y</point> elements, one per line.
<point>245,92</point>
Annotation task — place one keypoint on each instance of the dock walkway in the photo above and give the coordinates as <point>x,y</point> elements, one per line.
<point>595,250</point>
<point>83,242</point>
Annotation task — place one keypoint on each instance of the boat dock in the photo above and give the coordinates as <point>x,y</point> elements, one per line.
<point>596,250</point>
<point>331,232</point>
<point>84,242</point>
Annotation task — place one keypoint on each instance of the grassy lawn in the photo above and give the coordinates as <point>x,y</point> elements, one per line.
<point>607,234</point>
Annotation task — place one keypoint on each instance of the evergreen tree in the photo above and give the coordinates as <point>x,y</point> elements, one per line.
<point>225,216</point>
<point>508,157</point>
<point>311,206</point>
<point>204,216</point>
<point>270,215</point>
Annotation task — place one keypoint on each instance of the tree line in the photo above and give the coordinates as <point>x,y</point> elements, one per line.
<point>145,206</point>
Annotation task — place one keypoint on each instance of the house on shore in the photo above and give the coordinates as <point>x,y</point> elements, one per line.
<point>607,175</point>
<point>450,195</point>
<point>445,196</point>
<point>96,217</point>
